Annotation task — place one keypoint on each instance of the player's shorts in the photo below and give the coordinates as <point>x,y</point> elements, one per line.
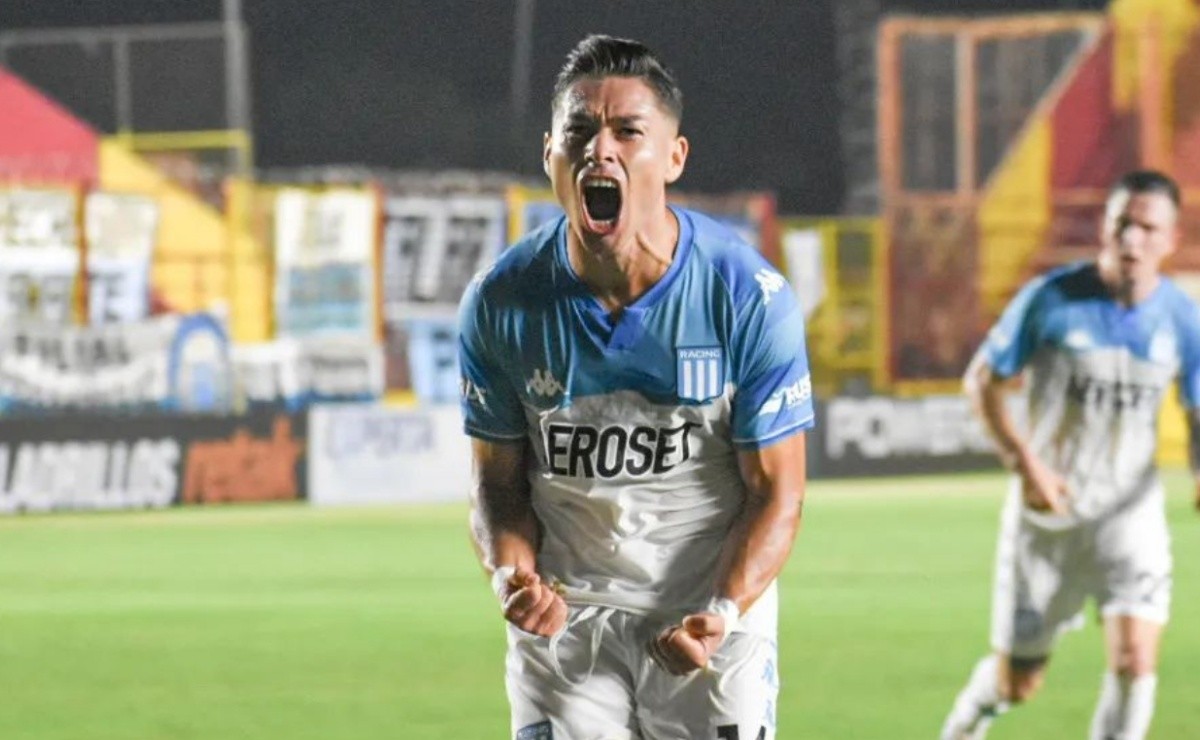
<point>596,681</point>
<point>1043,577</point>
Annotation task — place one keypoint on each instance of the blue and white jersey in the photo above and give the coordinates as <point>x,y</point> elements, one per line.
<point>634,423</point>
<point>1097,373</point>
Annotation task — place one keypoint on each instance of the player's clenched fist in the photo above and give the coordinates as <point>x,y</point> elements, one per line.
<point>1042,488</point>
<point>528,602</point>
<point>687,646</point>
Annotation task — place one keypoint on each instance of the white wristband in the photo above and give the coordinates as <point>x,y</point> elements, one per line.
<point>500,578</point>
<point>728,609</point>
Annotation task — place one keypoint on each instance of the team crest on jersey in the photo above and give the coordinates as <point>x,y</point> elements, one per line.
<point>1078,340</point>
<point>700,373</point>
<point>1163,349</point>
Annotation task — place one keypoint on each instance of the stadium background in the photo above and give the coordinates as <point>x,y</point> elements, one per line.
<point>180,326</point>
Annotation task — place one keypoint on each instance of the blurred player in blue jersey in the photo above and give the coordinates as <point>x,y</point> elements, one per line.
<point>1100,343</point>
<point>636,386</point>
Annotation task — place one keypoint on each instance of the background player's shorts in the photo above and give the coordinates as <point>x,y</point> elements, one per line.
<point>597,682</point>
<point>1043,577</point>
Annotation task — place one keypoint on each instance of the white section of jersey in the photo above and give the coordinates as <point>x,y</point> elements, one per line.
<point>644,530</point>
<point>1093,417</point>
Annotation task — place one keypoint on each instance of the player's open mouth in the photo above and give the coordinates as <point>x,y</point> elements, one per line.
<point>601,204</point>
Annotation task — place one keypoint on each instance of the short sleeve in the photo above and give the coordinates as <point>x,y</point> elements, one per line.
<point>1013,340</point>
<point>490,406</point>
<point>770,363</point>
<point>1188,328</point>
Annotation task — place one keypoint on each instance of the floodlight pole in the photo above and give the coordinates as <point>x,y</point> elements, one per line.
<point>237,81</point>
<point>522,64</point>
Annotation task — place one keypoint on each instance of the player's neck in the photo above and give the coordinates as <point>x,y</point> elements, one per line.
<point>1128,293</point>
<point>619,276</point>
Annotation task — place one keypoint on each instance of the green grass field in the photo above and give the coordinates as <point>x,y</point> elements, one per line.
<point>293,622</point>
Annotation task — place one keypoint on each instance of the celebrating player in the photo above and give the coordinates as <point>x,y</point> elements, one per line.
<point>636,386</point>
<point>1099,342</point>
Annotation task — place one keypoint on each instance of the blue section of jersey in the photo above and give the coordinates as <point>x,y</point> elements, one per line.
<point>531,333</point>
<point>1071,309</point>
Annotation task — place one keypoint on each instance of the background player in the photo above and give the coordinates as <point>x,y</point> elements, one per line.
<point>1100,343</point>
<point>635,381</point>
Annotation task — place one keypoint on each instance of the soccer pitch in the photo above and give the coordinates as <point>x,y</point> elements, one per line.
<point>296,622</point>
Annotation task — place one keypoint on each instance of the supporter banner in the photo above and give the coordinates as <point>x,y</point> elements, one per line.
<point>432,247</point>
<point>121,231</point>
<point>42,220</point>
<point>325,247</point>
<point>803,252</point>
<point>38,285</point>
<point>296,372</point>
<point>367,454</point>
<point>168,362</point>
<point>39,255</point>
<point>120,226</point>
<point>116,461</point>
<point>892,436</point>
<point>433,360</point>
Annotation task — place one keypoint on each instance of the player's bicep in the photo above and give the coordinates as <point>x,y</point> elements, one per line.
<point>491,408</point>
<point>500,486</point>
<point>1188,332</point>
<point>1013,339</point>
<point>773,399</point>
<point>981,378</point>
<point>776,472</point>
<point>499,465</point>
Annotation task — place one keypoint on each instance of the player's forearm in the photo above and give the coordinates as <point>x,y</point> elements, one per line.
<point>1193,423</point>
<point>504,532</point>
<point>758,546</point>
<point>988,398</point>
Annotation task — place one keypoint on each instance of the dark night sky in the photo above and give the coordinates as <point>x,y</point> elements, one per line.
<point>424,84</point>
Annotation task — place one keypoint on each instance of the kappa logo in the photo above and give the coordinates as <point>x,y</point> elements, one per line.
<point>770,281</point>
<point>543,383</point>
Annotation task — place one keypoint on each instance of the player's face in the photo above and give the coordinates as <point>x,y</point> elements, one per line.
<point>610,155</point>
<point>1140,231</point>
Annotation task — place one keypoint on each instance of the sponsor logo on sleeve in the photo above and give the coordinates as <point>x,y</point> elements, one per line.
<point>788,397</point>
<point>473,393</point>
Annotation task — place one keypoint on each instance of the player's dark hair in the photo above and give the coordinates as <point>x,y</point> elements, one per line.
<point>605,56</point>
<point>1148,181</point>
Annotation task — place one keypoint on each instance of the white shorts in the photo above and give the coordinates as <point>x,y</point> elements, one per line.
<point>1043,577</point>
<point>595,681</point>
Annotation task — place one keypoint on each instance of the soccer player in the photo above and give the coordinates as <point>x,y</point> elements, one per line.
<point>636,386</point>
<point>1099,343</point>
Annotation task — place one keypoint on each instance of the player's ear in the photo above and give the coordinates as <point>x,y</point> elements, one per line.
<point>679,152</point>
<point>546,153</point>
